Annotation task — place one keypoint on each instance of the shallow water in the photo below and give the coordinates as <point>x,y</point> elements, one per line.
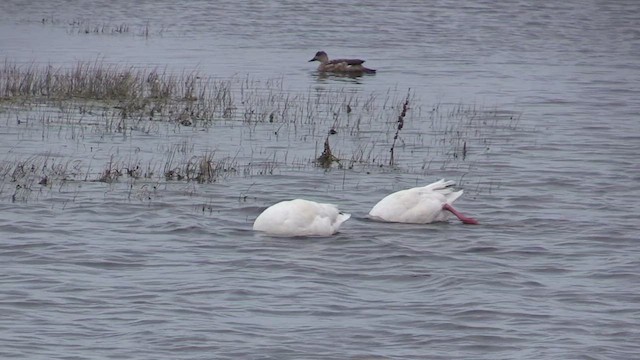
<point>545,96</point>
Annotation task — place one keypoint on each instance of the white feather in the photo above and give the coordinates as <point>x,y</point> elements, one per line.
<point>419,205</point>
<point>300,218</point>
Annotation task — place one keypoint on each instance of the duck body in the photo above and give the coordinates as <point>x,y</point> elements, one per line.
<point>300,217</point>
<point>420,205</point>
<point>344,66</point>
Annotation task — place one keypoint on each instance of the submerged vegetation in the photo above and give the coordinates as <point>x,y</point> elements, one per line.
<point>95,122</point>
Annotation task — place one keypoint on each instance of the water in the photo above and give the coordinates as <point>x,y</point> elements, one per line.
<point>546,97</point>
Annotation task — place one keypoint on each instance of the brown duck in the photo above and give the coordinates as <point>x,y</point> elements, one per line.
<point>344,66</point>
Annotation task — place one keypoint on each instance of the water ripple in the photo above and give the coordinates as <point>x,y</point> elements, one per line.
<point>134,270</point>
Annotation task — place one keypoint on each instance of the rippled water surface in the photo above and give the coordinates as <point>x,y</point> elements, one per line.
<point>531,108</point>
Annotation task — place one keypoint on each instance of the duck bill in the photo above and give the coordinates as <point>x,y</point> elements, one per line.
<point>314,59</point>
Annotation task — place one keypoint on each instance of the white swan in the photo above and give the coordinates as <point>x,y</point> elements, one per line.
<point>420,205</point>
<point>300,218</point>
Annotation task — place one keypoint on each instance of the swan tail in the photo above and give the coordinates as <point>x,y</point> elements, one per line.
<point>342,217</point>
<point>441,184</point>
<point>445,187</point>
<point>453,196</point>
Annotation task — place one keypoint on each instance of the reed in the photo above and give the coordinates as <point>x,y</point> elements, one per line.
<point>90,27</point>
<point>133,93</point>
<point>399,126</point>
<point>138,126</point>
<point>30,175</point>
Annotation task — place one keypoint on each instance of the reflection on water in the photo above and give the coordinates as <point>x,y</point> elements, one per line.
<point>126,225</point>
<point>348,78</point>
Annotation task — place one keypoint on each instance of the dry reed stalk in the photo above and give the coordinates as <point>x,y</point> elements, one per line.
<point>399,126</point>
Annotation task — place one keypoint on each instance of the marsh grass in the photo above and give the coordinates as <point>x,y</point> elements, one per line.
<point>462,130</point>
<point>129,92</point>
<point>91,27</point>
<point>204,168</point>
<point>87,27</point>
<point>22,178</point>
<point>98,81</point>
<point>138,125</point>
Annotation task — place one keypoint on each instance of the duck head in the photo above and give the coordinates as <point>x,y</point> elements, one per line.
<point>320,56</point>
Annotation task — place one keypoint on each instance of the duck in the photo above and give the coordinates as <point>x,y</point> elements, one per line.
<point>343,66</point>
<point>421,205</point>
<point>300,217</point>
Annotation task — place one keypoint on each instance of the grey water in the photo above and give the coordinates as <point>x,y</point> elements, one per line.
<point>171,269</point>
